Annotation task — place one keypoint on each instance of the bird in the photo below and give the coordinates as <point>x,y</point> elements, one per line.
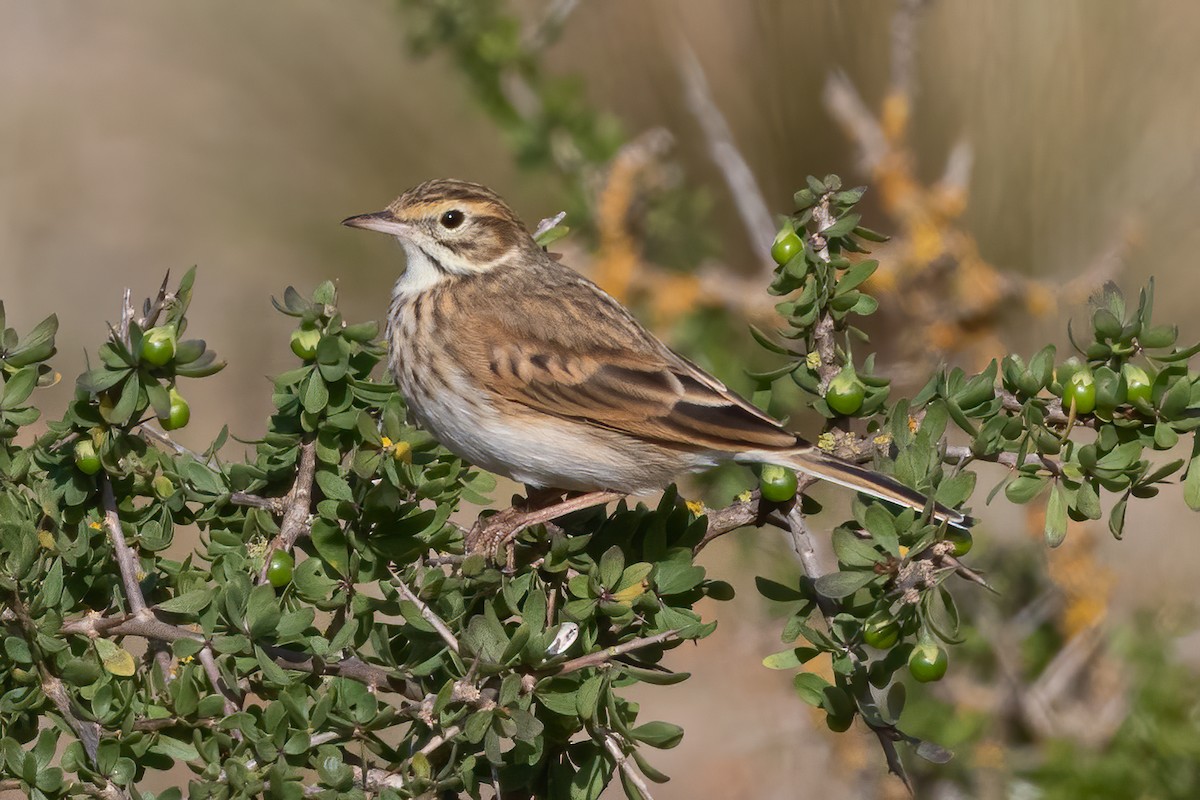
<point>525,368</point>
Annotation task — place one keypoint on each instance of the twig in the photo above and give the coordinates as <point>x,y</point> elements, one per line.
<point>957,454</point>
<point>848,109</point>
<point>602,656</point>
<point>614,748</point>
<point>440,739</point>
<point>747,196</point>
<point>904,35</point>
<point>209,663</point>
<point>297,504</point>
<point>738,514</point>
<point>126,560</point>
<point>162,438</point>
<point>127,565</point>
<point>802,543</point>
<point>276,505</point>
<point>551,22</point>
<point>150,627</point>
<point>428,614</point>
<point>886,735</point>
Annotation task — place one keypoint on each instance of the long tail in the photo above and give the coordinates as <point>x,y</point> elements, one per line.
<point>818,464</point>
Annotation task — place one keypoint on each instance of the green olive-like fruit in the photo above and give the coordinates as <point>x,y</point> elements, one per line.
<point>839,724</point>
<point>304,342</point>
<point>928,663</point>
<point>279,568</point>
<point>1081,392</point>
<point>962,541</point>
<point>786,245</point>
<point>1138,384</point>
<point>845,393</point>
<point>881,634</point>
<point>179,415</point>
<point>86,459</point>
<point>777,484</point>
<point>158,346</point>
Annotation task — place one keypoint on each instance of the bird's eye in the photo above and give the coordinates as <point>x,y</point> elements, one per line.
<point>452,219</point>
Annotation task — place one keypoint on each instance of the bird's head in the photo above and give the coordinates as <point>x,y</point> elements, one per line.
<point>450,227</point>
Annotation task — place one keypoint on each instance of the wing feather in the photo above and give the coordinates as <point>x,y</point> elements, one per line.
<point>583,357</point>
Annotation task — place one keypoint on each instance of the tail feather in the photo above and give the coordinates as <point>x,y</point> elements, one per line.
<point>829,468</point>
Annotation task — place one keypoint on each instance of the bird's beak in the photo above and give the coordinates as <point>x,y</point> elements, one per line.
<point>382,221</point>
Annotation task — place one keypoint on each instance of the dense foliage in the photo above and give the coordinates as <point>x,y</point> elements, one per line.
<point>320,625</point>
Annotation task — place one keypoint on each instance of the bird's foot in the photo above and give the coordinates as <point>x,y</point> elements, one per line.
<point>489,534</point>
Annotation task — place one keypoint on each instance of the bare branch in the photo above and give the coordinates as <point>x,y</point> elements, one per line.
<point>440,739</point>
<point>276,505</point>
<point>297,505</point>
<point>904,46</point>
<point>209,663</point>
<point>427,613</point>
<point>802,544</point>
<point>550,23</point>
<point>849,110</point>
<point>957,454</point>
<point>126,559</point>
<point>148,626</point>
<point>602,656</point>
<point>162,438</point>
<point>127,565</point>
<point>613,745</point>
<point>747,196</point>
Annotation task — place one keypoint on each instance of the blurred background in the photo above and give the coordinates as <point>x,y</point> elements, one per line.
<point>1020,153</point>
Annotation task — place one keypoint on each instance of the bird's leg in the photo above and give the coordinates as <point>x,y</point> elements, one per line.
<point>497,531</point>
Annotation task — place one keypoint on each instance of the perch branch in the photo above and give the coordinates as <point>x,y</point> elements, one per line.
<point>608,654</point>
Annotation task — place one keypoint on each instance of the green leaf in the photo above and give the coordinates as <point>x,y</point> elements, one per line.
<point>1024,488</point>
<point>333,486</point>
<point>777,591</point>
<point>330,542</point>
<point>18,387</point>
<point>1056,517</point>
<point>662,735</point>
<point>174,749</point>
<point>836,585</point>
<point>1116,518</point>
<point>856,276</point>
<point>1087,502</point>
<point>587,699</point>
<point>811,688</point>
<point>262,612</point>
<point>1191,484</point>
<point>853,551</point>
<point>954,491</point>
<point>316,396</point>
<point>188,602</point>
<point>843,226</point>
<point>115,658</point>
<point>612,564</point>
<point>791,658</point>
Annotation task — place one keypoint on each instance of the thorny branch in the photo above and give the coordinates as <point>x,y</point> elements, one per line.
<point>297,505</point>
<point>428,614</point>
<point>613,745</point>
<point>603,656</point>
<point>127,565</point>
<point>150,627</point>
